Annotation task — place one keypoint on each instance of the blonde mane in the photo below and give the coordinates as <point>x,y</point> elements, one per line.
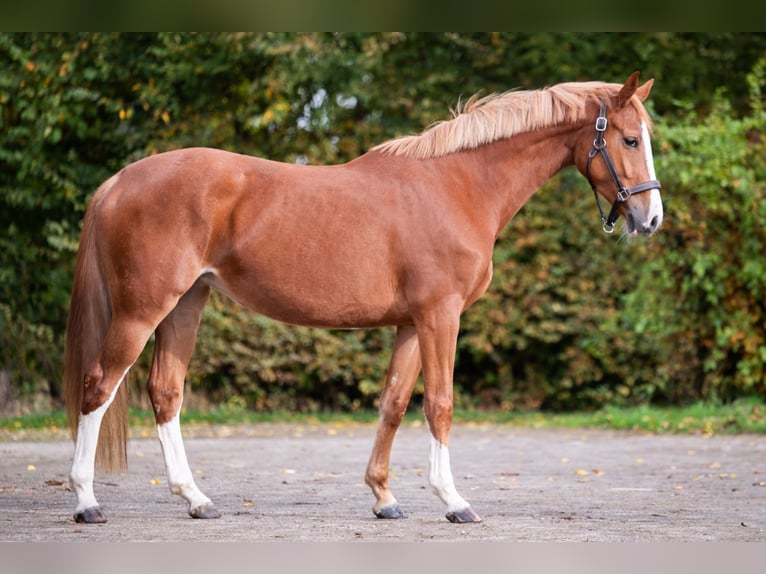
<point>480,121</point>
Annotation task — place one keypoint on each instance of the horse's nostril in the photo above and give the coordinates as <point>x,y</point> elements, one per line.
<point>654,223</point>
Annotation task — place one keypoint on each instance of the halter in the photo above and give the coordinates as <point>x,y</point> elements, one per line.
<point>623,193</point>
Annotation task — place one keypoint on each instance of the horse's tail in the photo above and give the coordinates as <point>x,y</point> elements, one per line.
<point>89,318</point>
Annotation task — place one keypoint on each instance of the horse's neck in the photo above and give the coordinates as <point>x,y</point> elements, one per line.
<point>512,170</point>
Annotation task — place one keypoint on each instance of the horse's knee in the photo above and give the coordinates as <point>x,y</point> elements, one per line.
<point>392,410</point>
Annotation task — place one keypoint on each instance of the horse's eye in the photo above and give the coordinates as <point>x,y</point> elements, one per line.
<point>630,142</point>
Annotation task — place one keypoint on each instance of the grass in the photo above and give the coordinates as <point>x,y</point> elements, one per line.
<point>741,416</point>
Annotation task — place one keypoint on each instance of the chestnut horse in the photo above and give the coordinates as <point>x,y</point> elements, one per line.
<point>401,236</point>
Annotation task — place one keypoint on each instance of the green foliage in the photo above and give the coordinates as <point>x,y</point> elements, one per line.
<point>274,366</point>
<point>530,341</point>
<point>709,278</point>
<point>573,318</point>
<point>572,321</point>
<point>746,415</point>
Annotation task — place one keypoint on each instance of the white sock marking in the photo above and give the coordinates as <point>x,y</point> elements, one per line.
<point>180,477</point>
<point>83,471</point>
<point>655,201</point>
<point>440,477</point>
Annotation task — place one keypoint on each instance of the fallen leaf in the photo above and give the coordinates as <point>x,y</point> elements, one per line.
<point>581,472</point>
<point>31,467</point>
<point>714,465</point>
<point>54,483</point>
<point>639,460</point>
<point>321,475</point>
<point>564,460</point>
<point>597,471</point>
<point>155,481</point>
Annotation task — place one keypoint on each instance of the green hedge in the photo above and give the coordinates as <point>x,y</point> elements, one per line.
<point>573,319</point>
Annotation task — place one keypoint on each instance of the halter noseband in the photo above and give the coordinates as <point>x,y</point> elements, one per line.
<point>623,193</point>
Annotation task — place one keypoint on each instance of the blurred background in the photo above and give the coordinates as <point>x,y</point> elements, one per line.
<point>574,319</point>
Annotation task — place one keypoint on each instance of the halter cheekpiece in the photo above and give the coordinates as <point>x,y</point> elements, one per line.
<point>623,193</point>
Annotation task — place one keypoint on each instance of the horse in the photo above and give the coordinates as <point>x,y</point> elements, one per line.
<point>401,236</point>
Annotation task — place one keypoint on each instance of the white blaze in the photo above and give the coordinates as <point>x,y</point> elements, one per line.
<point>655,201</point>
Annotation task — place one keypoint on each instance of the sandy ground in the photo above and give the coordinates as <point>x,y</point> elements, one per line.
<point>305,482</point>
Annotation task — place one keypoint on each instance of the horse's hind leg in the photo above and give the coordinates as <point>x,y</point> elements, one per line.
<point>402,374</point>
<point>174,343</point>
<point>123,343</point>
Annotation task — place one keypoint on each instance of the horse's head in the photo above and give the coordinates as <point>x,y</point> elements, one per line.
<point>615,155</point>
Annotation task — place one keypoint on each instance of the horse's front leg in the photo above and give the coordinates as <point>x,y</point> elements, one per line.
<point>437,334</point>
<point>402,373</point>
<point>174,343</point>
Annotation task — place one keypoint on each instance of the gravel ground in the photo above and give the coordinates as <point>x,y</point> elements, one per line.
<point>277,482</point>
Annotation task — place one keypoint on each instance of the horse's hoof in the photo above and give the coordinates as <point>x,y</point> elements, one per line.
<point>463,516</point>
<point>90,516</point>
<point>206,511</point>
<point>393,511</point>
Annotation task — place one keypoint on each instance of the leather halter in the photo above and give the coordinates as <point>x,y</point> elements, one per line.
<point>623,193</point>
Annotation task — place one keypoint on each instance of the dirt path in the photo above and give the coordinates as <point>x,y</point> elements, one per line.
<point>290,482</point>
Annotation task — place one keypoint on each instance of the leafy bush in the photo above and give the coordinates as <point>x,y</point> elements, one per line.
<point>573,319</point>
<point>275,366</point>
<point>707,284</point>
<point>576,320</point>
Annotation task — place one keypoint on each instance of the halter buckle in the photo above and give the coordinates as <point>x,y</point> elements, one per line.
<point>608,227</point>
<point>601,124</point>
<point>623,195</point>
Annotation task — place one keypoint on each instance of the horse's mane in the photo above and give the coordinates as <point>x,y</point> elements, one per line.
<point>480,121</point>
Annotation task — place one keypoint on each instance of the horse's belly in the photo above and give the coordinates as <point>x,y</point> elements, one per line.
<point>306,297</point>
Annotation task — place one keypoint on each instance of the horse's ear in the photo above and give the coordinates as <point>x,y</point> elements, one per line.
<point>627,90</point>
<point>643,91</point>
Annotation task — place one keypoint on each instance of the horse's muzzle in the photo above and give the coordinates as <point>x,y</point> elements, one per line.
<point>644,220</point>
